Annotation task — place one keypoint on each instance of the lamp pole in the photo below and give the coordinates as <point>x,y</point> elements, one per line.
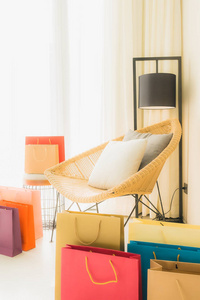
<point>157,59</point>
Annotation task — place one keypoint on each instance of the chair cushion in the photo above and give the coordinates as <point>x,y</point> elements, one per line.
<point>156,143</point>
<point>118,161</point>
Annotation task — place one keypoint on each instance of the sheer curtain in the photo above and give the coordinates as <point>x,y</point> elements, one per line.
<point>93,69</point>
<point>78,64</point>
<point>25,56</point>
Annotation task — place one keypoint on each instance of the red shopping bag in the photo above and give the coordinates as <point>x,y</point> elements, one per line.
<point>25,196</point>
<point>89,273</point>
<point>53,140</point>
<point>10,235</point>
<point>26,223</point>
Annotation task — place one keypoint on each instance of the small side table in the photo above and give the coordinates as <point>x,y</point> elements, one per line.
<point>51,200</point>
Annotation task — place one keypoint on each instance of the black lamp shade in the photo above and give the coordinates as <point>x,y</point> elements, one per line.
<point>157,91</point>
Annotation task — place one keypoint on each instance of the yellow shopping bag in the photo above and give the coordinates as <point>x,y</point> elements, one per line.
<point>164,232</point>
<point>97,230</point>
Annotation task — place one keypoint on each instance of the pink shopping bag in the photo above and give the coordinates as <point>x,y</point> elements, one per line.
<point>25,196</point>
<point>10,235</point>
<point>89,273</point>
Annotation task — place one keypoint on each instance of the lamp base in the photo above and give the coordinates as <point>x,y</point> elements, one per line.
<point>173,220</point>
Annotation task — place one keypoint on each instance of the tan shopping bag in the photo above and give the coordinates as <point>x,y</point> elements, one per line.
<point>107,215</point>
<point>38,158</point>
<point>173,280</point>
<point>97,230</point>
<point>164,232</point>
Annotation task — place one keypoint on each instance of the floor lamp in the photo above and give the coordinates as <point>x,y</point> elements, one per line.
<point>158,91</point>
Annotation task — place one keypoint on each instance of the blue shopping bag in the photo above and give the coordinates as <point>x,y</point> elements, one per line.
<point>161,252</point>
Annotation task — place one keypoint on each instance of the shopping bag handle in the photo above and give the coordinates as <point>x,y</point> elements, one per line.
<point>101,283</point>
<point>154,254</point>
<point>83,242</point>
<point>180,290</point>
<point>38,141</point>
<point>44,156</point>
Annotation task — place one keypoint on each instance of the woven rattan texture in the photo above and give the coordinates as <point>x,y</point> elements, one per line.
<point>70,178</point>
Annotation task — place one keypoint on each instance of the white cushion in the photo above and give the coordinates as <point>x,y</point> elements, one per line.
<point>118,161</point>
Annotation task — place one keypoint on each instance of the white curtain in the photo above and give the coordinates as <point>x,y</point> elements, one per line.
<point>78,64</point>
<point>25,65</point>
<point>93,59</point>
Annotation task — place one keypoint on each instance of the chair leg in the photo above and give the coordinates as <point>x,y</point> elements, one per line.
<point>96,204</point>
<point>163,213</point>
<point>54,219</point>
<point>158,214</point>
<point>73,204</point>
<point>156,211</point>
<point>78,207</point>
<point>150,208</point>
<point>136,208</point>
<point>70,206</point>
<point>137,199</point>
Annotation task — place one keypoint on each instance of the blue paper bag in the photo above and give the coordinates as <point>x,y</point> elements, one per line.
<point>161,252</point>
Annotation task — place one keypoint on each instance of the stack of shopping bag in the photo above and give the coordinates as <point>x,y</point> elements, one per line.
<point>20,220</point>
<point>89,263</point>
<point>43,152</point>
<point>170,258</point>
<point>162,259</point>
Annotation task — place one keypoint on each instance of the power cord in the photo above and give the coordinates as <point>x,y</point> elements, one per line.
<point>183,188</point>
<point>171,201</point>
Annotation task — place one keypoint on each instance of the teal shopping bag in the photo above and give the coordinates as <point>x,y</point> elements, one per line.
<point>161,252</point>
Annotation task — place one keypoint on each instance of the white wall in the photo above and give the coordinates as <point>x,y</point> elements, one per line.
<point>191,108</point>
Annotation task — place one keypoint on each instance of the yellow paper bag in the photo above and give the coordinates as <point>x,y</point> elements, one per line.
<point>76,228</point>
<point>106,215</point>
<point>173,280</point>
<point>164,232</point>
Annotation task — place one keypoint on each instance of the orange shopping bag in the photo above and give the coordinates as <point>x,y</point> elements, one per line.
<point>26,223</point>
<point>25,196</point>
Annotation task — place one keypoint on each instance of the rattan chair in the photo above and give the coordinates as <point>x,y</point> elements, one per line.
<point>70,178</point>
